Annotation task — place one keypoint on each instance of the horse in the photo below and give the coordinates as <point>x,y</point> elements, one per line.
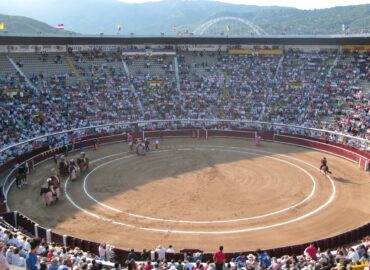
<point>63,167</point>
<point>83,162</point>
<point>325,170</point>
<point>19,181</point>
<point>140,150</point>
<point>22,174</point>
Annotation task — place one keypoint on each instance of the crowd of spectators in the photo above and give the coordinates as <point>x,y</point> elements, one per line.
<point>155,83</point>
<point>17,249</point>
<point>320,90</point>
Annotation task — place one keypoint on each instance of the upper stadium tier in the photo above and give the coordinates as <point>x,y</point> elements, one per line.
<point>57,83</point>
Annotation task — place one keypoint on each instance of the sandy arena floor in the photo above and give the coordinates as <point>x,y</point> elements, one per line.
<point>199,194</point>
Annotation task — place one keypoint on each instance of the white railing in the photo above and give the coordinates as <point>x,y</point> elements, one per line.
<point>64,137</point>
<point>200,122</point>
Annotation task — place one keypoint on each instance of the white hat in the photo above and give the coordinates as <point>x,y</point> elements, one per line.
<point>251,256</point>
<point>48,180</point>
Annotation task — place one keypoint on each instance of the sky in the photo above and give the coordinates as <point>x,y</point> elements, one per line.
<point>301,4</point>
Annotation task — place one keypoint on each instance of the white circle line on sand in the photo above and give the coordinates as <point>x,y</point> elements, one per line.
<point>313,190</point>
<point>330,200</point>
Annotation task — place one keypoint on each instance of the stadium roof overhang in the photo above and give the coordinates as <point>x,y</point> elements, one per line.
<point>173,40</point>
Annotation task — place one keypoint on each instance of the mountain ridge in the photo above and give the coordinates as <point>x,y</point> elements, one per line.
<point>154,18</point>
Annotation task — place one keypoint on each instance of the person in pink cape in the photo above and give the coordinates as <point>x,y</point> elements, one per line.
<point>256,139</point>
<point>130,141</point>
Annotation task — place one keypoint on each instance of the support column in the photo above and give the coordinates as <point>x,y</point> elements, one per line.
<point>15,219</point>
<point>65,240</point>
<point>36,233</point>
<point>48,235</point>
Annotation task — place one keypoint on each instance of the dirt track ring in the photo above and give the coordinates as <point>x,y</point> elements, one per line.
<point>153,186</point>
<point>206,148</point>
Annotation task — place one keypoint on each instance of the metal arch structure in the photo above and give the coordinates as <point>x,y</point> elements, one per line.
<point>202,28</point>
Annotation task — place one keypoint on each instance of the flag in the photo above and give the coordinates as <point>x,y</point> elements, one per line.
<point>2,26</point>
<point>60,26</point>
<point>228,28</point>
<point>174,27</point>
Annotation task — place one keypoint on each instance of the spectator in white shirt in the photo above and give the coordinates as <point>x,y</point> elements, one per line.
<point>21,242</point>
<point>6,236</point>
<point>188,265</point>
<point>41,249</point>
<point>3,262</point>
<point>64,254</point>
<point>9,255</point>
<point>170,249</point>
<point>12,241</point>
<point>16,259</point>
<point>102,252</point>
<point>161,252</point>
<point>2,234</point>
<point>353,255</point>
<point>109,252</point>
<point>25,248</point>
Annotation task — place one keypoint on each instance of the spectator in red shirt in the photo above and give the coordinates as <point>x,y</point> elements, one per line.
<point>219,258</point>
<point>148,265</point>
<point>311,251</point>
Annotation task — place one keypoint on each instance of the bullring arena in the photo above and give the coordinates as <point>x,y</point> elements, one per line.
<point>197,192</point>
<point>208,102</point>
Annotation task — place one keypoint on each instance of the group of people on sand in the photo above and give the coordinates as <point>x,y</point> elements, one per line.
<point>50,190</point>
<point>73,168</point>
<point>140,146</point>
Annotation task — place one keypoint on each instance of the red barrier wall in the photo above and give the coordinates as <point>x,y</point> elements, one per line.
<point>231,133</point>
<point>335,149</point>
<point>42,232</point>
<point>57,238</point>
